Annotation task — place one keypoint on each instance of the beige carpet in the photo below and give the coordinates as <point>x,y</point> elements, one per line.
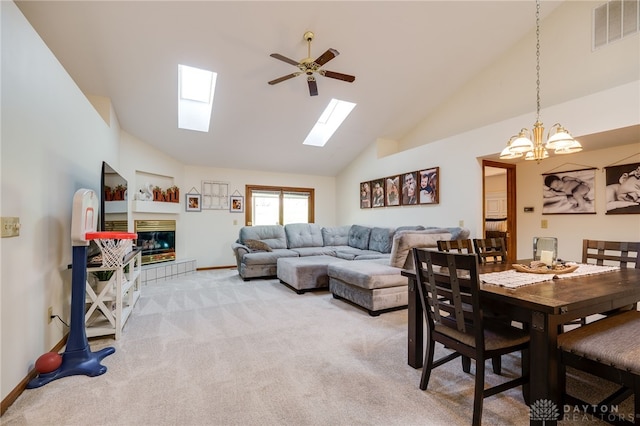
<point>211,349</point>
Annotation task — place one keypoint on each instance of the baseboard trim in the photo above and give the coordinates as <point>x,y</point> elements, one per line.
<point>17,391</point>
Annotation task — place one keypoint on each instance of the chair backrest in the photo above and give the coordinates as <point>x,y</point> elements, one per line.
<point>449,289</point>
<point>491,250</point>
<point>458,246</point>
<point>619,253</point>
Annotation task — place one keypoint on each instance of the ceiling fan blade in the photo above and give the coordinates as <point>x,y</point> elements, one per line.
<point>337,75</point>
<point>313,86</point>
<point>326,57</point>
<point>283,78</point>
<point>284,58</point>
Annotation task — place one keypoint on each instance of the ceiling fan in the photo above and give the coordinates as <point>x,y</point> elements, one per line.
<point>309,66</point>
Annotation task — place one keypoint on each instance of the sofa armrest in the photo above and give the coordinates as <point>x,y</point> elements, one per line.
<point>239,250</point>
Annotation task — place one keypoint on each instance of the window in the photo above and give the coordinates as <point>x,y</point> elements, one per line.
<point>268,205</point>
<point>195,97</point>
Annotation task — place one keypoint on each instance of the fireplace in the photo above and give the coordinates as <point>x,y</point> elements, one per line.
<point>157,239</point>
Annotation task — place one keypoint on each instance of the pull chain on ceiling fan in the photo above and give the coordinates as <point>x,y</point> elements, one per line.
<point>309,66</point>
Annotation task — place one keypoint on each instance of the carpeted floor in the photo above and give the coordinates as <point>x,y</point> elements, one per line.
<point>211,349</point>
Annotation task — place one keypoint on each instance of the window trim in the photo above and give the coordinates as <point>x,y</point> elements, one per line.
<point>248,213</point>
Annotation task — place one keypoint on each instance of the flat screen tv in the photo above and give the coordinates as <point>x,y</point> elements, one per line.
<point>113,201</point>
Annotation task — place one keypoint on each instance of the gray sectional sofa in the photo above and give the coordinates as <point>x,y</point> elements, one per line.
<point>359,264</point>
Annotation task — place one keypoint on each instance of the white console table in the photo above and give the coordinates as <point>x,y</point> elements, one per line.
<point>110,303</point>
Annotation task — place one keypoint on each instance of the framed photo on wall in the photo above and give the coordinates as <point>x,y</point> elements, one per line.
<point>236,204</point>
<point>193,202</point>
<point>571,192</point>
<point>623,189</point>
<point>392,190</point>
<point>428,188</point>
<point>377,193</point>
<point>365,195</point>
<point>409,188</point>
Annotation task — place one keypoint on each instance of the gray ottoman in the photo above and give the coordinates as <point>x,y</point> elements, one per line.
<point>305,273</point>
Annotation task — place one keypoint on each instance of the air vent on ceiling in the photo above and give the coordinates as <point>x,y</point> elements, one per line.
<point>614,20</point>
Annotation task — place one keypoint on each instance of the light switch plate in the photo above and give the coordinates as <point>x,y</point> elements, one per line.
<point>10,227</point>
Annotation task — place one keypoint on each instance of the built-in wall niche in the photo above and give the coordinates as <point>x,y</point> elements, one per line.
<point>145,184</point>
<point>113,200</point>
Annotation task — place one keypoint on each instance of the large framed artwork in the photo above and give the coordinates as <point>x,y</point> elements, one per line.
<point>377,193</point>
<point>428,191</point>
<point>409,189</point>
<point>392,190</point>
<point>365,195</point>
<point>623,189</point>
<point>571,192</point>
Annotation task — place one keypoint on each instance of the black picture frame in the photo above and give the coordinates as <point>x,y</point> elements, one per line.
<point>429,186</point>
<point>365,195</point>
<point>622,191</point>
<point>377,193</point>
<point>570,192</point>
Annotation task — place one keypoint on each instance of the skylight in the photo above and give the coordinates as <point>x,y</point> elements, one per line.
<point>195,97</point>
<point>332,117</point>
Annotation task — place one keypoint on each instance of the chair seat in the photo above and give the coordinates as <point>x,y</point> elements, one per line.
<point>614,341</point>
<point>497,335</point>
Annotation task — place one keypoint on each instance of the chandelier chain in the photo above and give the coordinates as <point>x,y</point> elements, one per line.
<point>537,60</point>
<point>531,143</point>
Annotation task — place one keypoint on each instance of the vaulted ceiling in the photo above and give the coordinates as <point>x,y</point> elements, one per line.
<point>408,58</point>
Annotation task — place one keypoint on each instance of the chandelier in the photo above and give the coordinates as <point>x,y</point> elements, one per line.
<point>530,142</point>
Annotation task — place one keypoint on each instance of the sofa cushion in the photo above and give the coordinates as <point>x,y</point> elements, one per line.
<point>359,237</point>
<point>381,239</point>
<point>368,274</point>
<point>271,234</point>
<point>350,253</point>
<point>410,228</point>
<point>303,235</point>
<point>404,241</point>
<point>457,233</point>
<point>256,245</point>
<point>314,251</point>
<point>336,235</point>
<point>267,257</point>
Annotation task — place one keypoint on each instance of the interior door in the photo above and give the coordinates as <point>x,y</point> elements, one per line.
<point>496,205</point>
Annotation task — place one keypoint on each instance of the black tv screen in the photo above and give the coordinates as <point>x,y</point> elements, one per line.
<point>113,201</point>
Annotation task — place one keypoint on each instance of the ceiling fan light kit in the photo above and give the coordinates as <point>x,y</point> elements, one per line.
<point>310,66</point>
<point>530,143</point>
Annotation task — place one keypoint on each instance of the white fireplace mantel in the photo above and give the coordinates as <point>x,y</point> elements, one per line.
<point>140,206</point>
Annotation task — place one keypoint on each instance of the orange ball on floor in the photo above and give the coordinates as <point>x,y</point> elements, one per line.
<point>48,362</point>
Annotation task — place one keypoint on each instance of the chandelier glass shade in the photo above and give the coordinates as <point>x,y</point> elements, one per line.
<point>530,143</point>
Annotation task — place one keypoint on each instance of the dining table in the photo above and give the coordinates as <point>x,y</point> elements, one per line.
<point>543,307</point>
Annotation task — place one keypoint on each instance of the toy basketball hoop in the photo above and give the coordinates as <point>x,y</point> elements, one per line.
<point>113,245</point>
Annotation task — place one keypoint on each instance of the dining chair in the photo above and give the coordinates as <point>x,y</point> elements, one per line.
<point>619,253</point>
<point>449,288</point>
<point>466,246</point>
<point>490,250</point>
<point>459,246</point>
<point>608,348</point>
<point>625,254</point>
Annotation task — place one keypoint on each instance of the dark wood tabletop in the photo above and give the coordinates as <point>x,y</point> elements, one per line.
<point>544,307</point>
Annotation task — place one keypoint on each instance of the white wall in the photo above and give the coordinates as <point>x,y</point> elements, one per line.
<point>569,69</point>
<point>53,143</point>
<point>571,229</point>
<point>459,158</point>
<point>211,232</point>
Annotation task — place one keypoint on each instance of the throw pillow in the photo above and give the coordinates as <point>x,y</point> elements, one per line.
<point>255,245</point>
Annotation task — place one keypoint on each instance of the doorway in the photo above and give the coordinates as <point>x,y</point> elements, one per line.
<point>499,202</point>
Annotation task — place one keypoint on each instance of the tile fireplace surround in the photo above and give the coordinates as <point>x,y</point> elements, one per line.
<point>158,272</point>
